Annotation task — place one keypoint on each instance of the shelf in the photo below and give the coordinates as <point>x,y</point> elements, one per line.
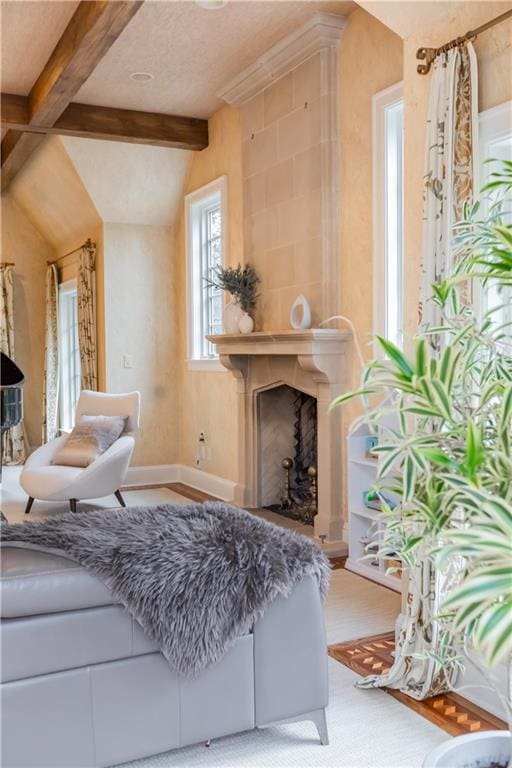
<point>374,574</point>
<point>366,462</point>
<point>371,514</point>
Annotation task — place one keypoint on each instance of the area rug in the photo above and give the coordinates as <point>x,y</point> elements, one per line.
<point>366,730</point>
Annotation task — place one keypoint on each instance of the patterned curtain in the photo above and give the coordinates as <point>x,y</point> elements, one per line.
<point>86,302</point>
<point>13,439</point>
<point>452,143</point>
<point>51,357</point>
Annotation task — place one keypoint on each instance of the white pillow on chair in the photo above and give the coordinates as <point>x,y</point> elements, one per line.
<point>91,437</point>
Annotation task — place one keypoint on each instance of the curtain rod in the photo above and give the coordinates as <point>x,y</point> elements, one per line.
<point>429,54</point>
<point>88,244</point>
<point>7,264</point>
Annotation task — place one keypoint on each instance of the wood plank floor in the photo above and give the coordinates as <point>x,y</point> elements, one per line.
<point>181,488</point>
<point>451,712</point>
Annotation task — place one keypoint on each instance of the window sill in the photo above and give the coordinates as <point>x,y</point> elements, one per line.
<point>206,365</point>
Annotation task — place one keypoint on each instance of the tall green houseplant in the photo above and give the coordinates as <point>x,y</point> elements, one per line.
<point>445,451</point>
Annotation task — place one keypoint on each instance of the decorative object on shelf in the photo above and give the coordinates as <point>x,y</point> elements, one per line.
<point>246,323</point>
<point>393,566</point>
<point>370,443</point>
<point>242,284</point>
<point>300,314</point>
<point>233,313</point>
<point>373,500</point>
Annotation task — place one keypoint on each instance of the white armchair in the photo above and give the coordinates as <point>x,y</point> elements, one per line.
<point>41,479</point>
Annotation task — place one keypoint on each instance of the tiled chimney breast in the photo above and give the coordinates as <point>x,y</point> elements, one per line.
<point>290,170</point>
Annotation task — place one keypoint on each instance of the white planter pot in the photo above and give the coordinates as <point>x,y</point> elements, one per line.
<point>473,750</point>
<point>232,315</point>
<point>246,324</point>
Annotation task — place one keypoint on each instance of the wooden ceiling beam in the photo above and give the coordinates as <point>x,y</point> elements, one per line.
<point>91,32</point>
<point>128,125</point>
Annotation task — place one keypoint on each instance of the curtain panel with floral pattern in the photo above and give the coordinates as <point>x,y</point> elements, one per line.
<point>51,357</point>
<point>86,302</point>
<point>452,143</point>
<point>13,439</point>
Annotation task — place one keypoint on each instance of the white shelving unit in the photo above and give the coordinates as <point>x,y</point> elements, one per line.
<point>364,523</point>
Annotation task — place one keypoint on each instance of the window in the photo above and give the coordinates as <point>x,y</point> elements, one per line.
<point>388,213</point>
<point>69,355</point>
<point>206,217</point>
<point>495,141</point>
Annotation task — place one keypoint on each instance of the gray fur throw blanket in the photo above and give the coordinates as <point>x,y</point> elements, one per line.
<point>194,576</point>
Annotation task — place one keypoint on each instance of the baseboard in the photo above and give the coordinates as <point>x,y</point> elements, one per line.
<point>203,481</point>
<point>180,473</point>
<point>150,475</point>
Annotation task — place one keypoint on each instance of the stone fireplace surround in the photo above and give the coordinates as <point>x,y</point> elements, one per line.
<point>311,361</point>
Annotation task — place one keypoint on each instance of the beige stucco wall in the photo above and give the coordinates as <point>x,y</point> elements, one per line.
<point>494,52</point>
<point>53,197</point>
<point>24,245</point>
<point>141,321</point>
<point>208,399</point>
<point>286,191</point>
<point>370,60</point>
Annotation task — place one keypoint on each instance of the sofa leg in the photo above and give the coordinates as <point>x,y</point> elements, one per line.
<point>320,721</point>
<point>72,505</point>
<point>316,716</point>
<point>120,498</point>
<point>29,504</point>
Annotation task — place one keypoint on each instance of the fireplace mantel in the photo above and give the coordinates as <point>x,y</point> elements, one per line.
<point>312,361</point>
<point>316,349</point>
<point>309,341</point>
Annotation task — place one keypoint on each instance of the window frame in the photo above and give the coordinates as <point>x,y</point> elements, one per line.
<point>493,124</point>
<point>381,102</point>
<point>67,288</point>
<point>197,203</point>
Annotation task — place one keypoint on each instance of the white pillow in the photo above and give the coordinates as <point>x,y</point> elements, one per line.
<point>91,437</point>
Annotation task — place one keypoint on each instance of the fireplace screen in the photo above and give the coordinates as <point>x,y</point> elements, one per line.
<point>287,432</point>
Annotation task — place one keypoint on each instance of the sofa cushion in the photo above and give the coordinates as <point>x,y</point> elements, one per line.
<point>51,642</point>
<point>35,582</point>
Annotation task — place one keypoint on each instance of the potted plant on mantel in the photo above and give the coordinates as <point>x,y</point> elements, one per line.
<point>445,452</point>
<point>242,284</point>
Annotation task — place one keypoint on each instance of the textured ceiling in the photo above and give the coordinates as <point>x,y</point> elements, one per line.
<point>30,31</point>
<point>192,52</point>
<point>130,183</point>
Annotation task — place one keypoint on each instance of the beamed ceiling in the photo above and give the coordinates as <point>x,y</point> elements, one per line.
<point>192,52</point>
<point>66,67</point>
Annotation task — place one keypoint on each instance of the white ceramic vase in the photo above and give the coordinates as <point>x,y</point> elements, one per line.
<point>232,315</point>
<point>246,324</point>
<point>300,313</point>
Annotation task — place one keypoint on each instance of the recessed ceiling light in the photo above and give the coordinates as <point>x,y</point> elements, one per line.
<point>142,77</point>
<point>211,5</point>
